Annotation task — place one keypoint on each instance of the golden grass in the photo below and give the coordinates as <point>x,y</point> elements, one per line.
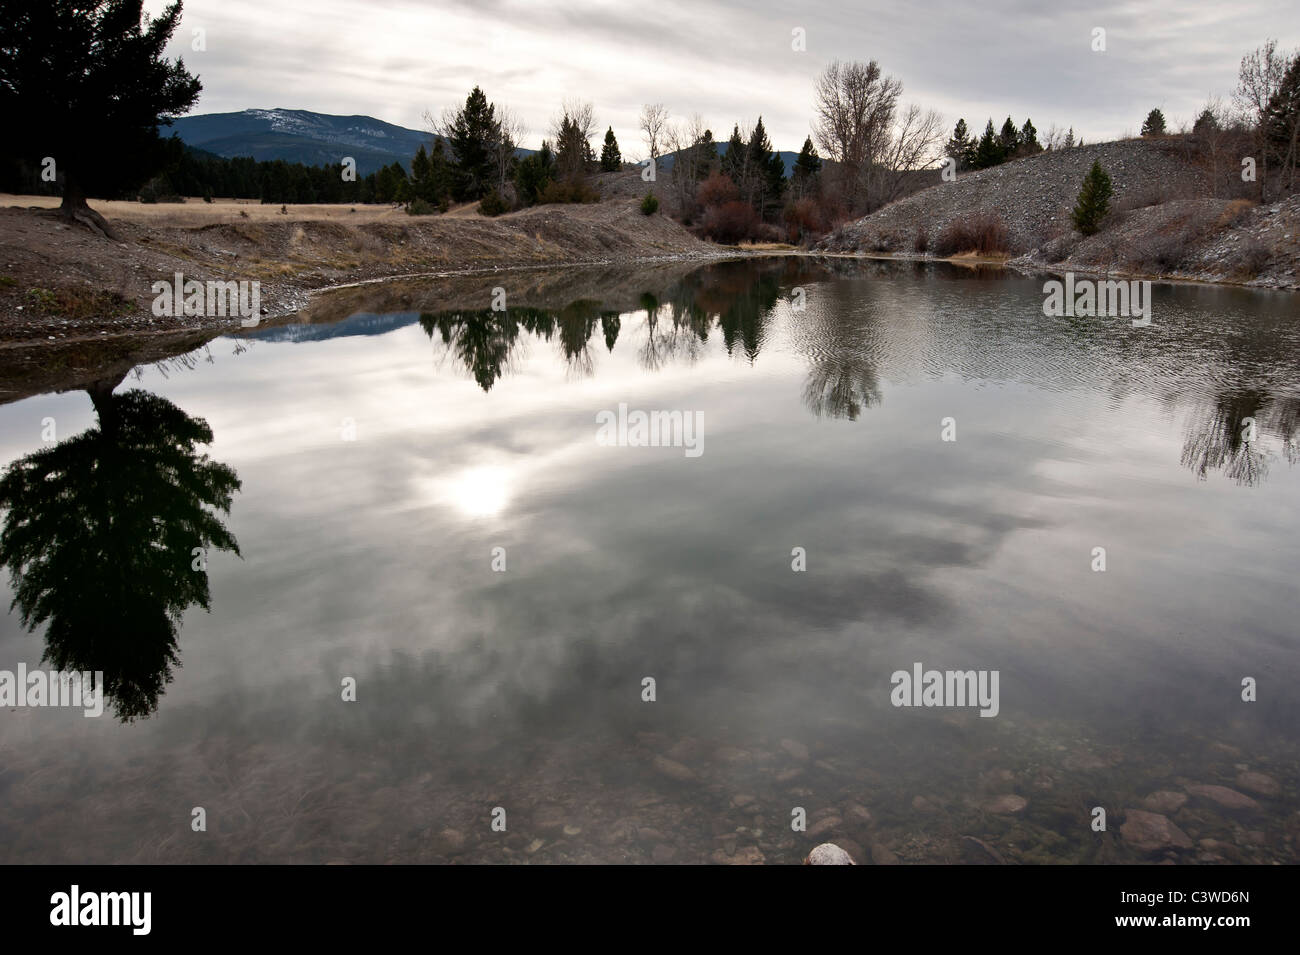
<point>195,212</point>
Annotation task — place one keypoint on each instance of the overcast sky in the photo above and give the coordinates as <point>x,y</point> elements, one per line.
<point>730,61</point>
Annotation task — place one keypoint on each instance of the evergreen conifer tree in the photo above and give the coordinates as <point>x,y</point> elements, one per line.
<point>1094,201</point>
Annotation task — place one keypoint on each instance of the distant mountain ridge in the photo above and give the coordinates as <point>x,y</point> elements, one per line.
<point>300,135</point>
<point>319,139</point>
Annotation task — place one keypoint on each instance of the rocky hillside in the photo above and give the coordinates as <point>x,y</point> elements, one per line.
<point>1032,196</point>
<point>1162,222</point>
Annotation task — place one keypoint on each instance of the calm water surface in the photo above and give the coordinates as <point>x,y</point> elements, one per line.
<point>374,460</point>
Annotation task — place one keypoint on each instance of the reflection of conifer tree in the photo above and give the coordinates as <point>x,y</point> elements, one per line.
<point>745,319</point>
<point>482,341</point>
<point>609,324</point>
<point>1220,439</point>
<point>577,323</point>
<point>99,536</point>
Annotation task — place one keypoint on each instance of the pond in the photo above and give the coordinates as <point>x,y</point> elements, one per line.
<point>636,565</point>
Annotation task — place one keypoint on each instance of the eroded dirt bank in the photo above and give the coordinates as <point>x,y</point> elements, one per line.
<point>64,284</point>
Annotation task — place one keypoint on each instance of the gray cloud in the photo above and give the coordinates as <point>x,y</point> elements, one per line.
<point>395,59</point>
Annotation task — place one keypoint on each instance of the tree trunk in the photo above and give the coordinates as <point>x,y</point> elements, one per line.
<point>101,396</point>
<point>75,210</point>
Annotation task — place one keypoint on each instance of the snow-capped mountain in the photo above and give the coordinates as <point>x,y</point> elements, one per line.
<point>299,135</point>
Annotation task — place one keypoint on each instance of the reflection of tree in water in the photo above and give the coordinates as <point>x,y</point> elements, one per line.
<point>737,298</point>
<point>1223,439</point>
<point>483,340</point>
<point>487,342</point>
<point>99,539</point>
<point>842,377</point>
<point>839,388</point>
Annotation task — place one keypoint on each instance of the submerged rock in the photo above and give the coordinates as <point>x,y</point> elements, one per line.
<point>829,824</point>
<point>1260,784</point>
<point>796,749</point>
<point>881,854</point>
<point>1150,832</point>
<point>828,853</point>
<point>673,769</point>
<point>858,813</point>
<point>1165,801</point>
<point>1223,796</point>
<point>1007,805</point>
<point>978,852</point>
<point>662,854</point>
<point>745,855</point>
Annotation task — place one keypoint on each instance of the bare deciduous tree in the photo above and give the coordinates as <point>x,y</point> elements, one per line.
<point>513,132</point>
<point>654,117</point>
<point>684,140</point>
<point>858,126</point>
<point>855,106</point>
<point>916,141</point>
<point>1258,80</point>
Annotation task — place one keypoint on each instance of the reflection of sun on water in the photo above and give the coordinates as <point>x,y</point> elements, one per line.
<point>480,492</point>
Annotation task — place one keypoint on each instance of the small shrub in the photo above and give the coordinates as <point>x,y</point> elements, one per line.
<point>81,302</point>
<point>717,190</point>
<point>569,191</point>
<point>418,207</point>
<point>1250,259</point>
<point>243,213</point>
<point>7,281</point>
<point>492,204</point>
<point>207,194</point>
<point>983,233</point>
<point>1236,212</point>
<point>649,205</point>
<point>1057,249</point>
<point>803,220</point>
<point>921,243</point>
<point>157,190</point>
<point>731,223</point>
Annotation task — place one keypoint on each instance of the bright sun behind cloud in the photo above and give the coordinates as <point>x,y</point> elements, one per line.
<point>480,492</point>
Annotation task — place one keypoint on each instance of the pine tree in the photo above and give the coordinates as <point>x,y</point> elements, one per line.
<point>572,151</point>
<point>534,173</point>
<point>1009,139</point>
<point>807,167</point>
<point>1154,124</point>
<point>1094,201</point>
<point>473,136</point>
<point>706,155</point>
<point>420,172</point>
<point>88,84</point>
<point>989,151</point>
<point>1206,123</point>
<point>1029,144</point>
<point>611,160</point>
<point>1069,138</point>
<point>442,175</point>
<point>767,171</point>
<point>733,162</point>
<point>961,147</point>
